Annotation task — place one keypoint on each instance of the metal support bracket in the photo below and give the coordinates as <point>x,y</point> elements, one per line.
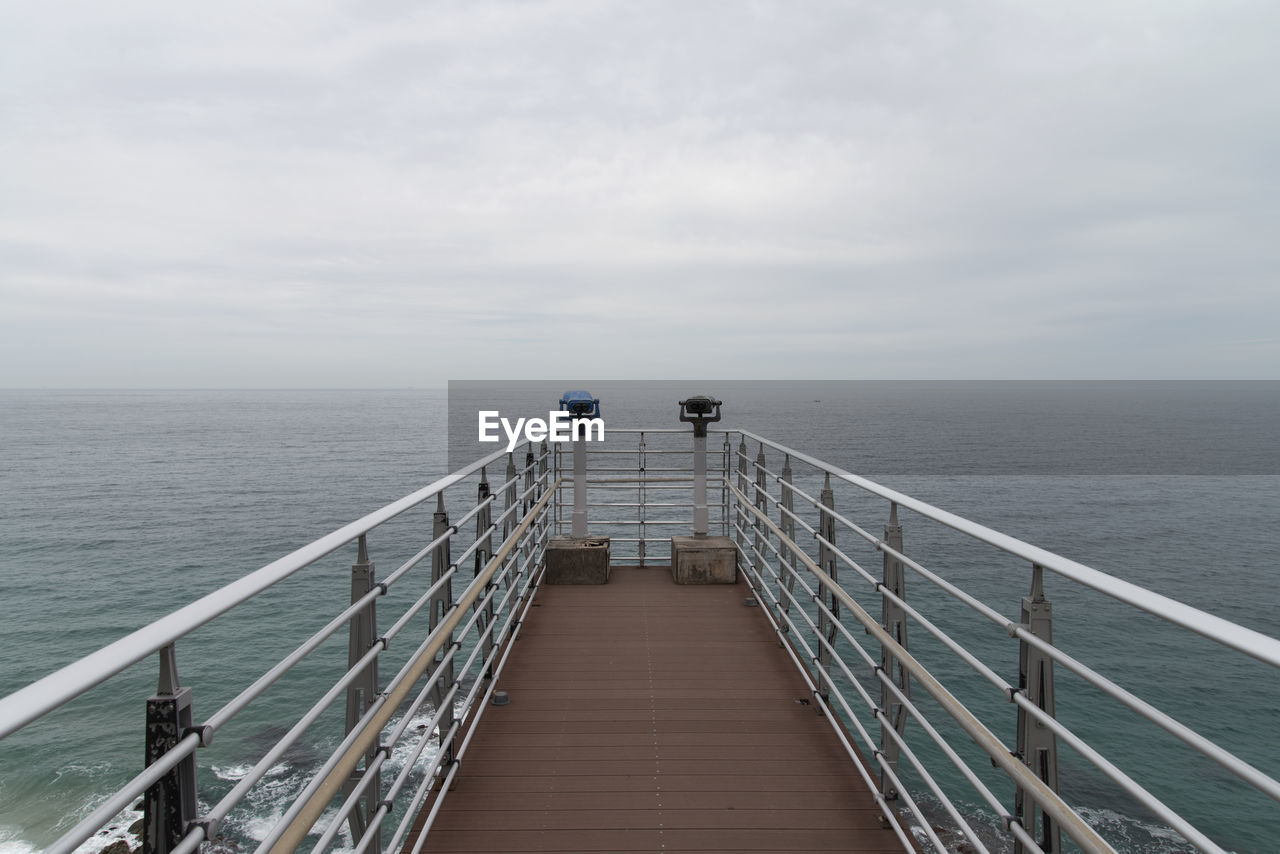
<point>893,618</point>
<point>1037,746</point>
<point>170,804</point>
<point>363,691</point>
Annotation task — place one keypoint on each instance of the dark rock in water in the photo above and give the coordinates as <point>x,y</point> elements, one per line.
<point>118,847</point>
<point>136,827</point>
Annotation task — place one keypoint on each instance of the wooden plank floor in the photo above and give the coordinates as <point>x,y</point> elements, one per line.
<point>650,716</point>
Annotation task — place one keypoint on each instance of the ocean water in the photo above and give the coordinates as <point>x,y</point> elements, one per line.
<point>118,506</point>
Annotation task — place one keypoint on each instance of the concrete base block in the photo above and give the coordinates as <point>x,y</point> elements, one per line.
<point>704,560</point>
<point>578,560</point>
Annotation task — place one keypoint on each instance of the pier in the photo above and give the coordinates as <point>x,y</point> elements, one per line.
<point>669,719</point>
<point>685,637</point>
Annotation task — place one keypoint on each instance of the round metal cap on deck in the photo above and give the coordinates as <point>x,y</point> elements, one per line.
<point>500,698</point>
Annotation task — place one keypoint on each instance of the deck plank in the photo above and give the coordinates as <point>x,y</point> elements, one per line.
<point>650,716</point>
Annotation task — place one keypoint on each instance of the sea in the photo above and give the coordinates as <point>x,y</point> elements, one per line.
<point>118,506</point>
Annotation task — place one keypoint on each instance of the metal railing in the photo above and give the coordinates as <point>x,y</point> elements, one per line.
<point>927,735</point>
<point>492,549</point>
<point>640,490</point>
<point>809,593</point>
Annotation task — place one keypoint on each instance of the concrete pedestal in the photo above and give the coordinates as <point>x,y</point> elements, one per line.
<point>578,560</point>
<point>703,560</point>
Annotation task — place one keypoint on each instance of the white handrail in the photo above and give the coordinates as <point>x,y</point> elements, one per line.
<point>41,697</point>
<point>1225,632</point>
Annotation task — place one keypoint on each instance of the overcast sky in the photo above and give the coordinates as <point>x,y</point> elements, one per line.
<point>338,194</point>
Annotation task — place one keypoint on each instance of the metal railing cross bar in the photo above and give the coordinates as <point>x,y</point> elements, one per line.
<point>435,807</point>
<point>879,587</point>
<point>870,702</point>
<point>367,777</point>
<point>1215,628</point>
<point>39,698</point>
<point>1071,823</point>
<point>476,613</point>
<point>1228,760</point>
<point>127,794</point>
<point>796,635</point>
<point>881,546</point>
<point>218,814</point>
<point>300,822</point>
<point>889,815</point>
<point>526,593</point>
<point>429,732</point>
<point>948,806</point>
<point>334,827</point>
<point>420,603</point>
<point>950,643</point>
<point>224,715</point>
<point>514,625</point>
<point>1150,801</point>
<point>1183,733</point>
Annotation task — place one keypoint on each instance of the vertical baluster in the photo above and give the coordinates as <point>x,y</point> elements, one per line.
<point>761,501</point>
<point>894,620</point>
<point>544,479</point>
<point>1036,744</point>
<point>484,551</point>
<point>509,520</point>
<point>640,490</point>
<point>556,472</point>
<point>827,562</point>
<point>441,604</point>
<point>529,495</point>
<point>361,693</point>
<point>786,578</point>
<point>578,526</point>
<point>170,803</point>
<point>726,454</point>
<point>527,545</point>
<point>741,514</point>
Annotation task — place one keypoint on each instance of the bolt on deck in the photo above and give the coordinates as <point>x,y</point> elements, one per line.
<point>650,716</point>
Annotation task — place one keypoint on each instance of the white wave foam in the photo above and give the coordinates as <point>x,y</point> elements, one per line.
<point>116,830</point>
<point>11,843</point>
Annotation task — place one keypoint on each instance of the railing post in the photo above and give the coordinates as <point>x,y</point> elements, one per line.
<point>741,485</point>
<point>641,498</point>
<point>530,495</point>
<point>762,504</point>
<point>171,803</point>
<point>441,604</point>
<point>701,527</point>
<point>787,522</point>
<point>509,520</point>
<point>543,481</point>
<point>484,551</point>
<point>1037,745</point>
<point>556,469</point>
<point>579,520</point>
<point>827,561</point>
<point>364,689</point>
<point>894,620</point>
<point>726,454</point>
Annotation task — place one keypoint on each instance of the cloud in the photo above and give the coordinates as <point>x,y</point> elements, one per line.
<point>408,192</point>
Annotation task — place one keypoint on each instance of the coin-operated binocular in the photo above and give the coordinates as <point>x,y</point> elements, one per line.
<point>579,404</point>
<point>702,559</point>
<point>700,411</point>
<point>579,559</point>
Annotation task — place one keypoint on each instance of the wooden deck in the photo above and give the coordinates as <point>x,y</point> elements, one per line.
<point>650,716</point>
